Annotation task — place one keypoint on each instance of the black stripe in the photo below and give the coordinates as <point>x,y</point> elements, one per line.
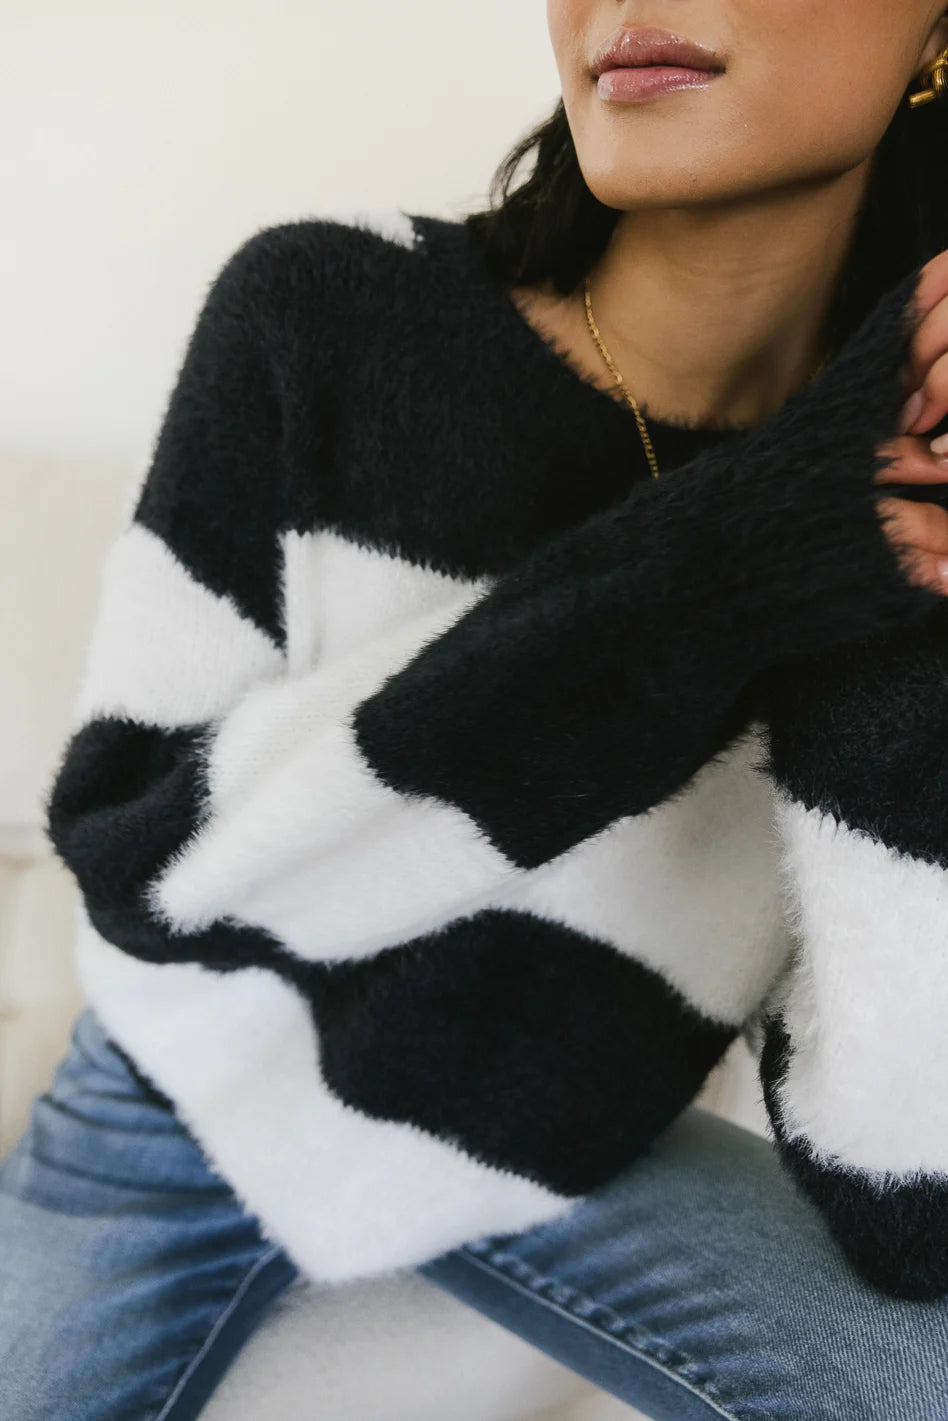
<point>491,445</point>
<point>125,798</point>
<point>861,734</point>
<point>535,1048</point>
<point>215,488</point>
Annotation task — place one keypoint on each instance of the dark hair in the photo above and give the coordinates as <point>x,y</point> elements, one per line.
<point>552,226</point>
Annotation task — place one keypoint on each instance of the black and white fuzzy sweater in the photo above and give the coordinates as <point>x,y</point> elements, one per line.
<point>445,794</point>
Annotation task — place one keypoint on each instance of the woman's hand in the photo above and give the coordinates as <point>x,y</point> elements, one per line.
<point>920,530</point>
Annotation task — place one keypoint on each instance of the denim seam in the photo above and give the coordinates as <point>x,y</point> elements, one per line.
<point>564,1298</point>
<point>206,1194</point>
<point>222,1317</point>
<point>95,1061</point>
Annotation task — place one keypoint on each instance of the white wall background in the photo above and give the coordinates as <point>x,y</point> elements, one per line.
<point>143,140</point>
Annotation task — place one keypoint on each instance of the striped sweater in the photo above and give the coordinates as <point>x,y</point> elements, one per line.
<point>445,794</point>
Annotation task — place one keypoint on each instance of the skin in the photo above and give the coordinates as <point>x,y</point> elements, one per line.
<point>737,201</point>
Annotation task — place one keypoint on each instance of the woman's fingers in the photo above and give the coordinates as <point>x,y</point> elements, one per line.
<point>925,374</point>
<point>928,343</point>
<point>929,402</point>
<point>919,533</point>
<point>932,285</point>
<point>911,462</point>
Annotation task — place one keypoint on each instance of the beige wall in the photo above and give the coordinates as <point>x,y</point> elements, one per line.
<point>144,139</point>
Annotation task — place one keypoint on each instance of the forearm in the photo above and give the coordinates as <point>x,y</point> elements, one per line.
<point>599,675</point>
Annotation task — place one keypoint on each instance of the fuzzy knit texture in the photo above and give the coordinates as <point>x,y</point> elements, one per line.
<point>445,794</point>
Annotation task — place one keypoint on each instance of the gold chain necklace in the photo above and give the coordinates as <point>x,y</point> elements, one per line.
<point>629,397</point>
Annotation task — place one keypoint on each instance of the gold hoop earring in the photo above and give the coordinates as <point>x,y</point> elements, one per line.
<point>937,71</point>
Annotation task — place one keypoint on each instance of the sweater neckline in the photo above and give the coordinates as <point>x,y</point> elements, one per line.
<point>678,437</point>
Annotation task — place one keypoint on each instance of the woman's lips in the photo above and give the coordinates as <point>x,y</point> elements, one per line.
<point>645,80</point>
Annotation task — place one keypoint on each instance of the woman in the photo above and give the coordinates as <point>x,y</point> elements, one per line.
<point>734,231</point>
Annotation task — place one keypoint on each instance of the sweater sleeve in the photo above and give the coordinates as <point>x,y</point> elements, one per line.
<point>209,802</point>
<point>853,1053</point>
<point>188,621</point>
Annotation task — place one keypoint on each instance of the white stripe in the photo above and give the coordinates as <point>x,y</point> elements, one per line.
<point>163,649</point>
<point>342,595</point>
<point>347,1196</point>
<point>304,841</point>
<point>689,889</point>
<point>867,1002</point>
<point>323,855</point>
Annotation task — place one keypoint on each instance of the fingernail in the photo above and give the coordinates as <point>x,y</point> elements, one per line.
<point>939,445</point>
<point>943,569</point>
<point>911,411</point>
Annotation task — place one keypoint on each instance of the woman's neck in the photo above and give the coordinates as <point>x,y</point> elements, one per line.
<point>718,313</point>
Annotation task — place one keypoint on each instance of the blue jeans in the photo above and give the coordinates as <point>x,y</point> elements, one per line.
<point>696,1285</point>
